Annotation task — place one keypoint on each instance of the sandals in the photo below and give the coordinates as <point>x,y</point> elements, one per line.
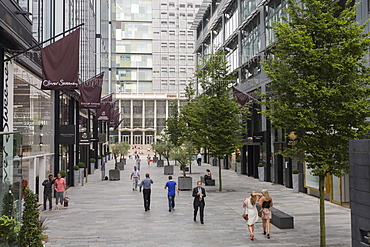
<point>252,237</point>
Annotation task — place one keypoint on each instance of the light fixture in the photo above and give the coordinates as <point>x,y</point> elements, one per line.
<point>22,12</point>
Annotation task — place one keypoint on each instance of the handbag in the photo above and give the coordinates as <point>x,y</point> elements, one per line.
<point>260,213</point>
<point>245,216</point>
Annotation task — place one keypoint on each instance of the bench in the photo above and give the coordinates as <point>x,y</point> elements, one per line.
<point>208,182</point>
<point>281,220</point>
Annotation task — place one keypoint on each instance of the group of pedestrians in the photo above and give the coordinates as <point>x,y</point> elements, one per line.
<point>59,184</point>
<point>264,200</point>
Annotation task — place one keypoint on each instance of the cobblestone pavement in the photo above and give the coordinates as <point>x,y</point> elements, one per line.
<point>110,213</point>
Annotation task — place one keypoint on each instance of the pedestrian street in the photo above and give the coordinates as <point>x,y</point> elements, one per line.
<point>110,213</point>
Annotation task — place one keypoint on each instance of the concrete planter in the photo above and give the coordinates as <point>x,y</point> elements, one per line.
<point>98,165</point>
<point>295,183</point>
<point>155,159</point>
<point>261,173</point>
<point>81,175</point>
<point>168,170</point>
<point>185,183</point>
<point>238,167</point>
<point>160,163</point>
<point>114,174</point>
<point>120,166</point>
<point>76,177</point>
<point>92,168</point>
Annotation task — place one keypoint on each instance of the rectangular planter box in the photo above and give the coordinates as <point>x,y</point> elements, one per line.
<point>160,163</point>
<point>120,166</point>
<point>92,168</point>
<point>185,183</point>
<point>114,174</point>
<point>168,170</point>
<point>76,176</point>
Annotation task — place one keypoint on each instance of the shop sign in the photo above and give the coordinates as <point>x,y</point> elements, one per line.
<point>259,136</point>
<point>8,101</point>
<point>67,134</point>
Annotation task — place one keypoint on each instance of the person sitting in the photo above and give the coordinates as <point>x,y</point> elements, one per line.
<point>208,176</point>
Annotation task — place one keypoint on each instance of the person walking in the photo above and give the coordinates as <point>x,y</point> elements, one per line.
<point>102,168</point>
<point>199,159</point>
<point>199,193</point>
<point>172,188</point>
<point>266,202</point>
<point>146,185</point>
<point>135,177</point>
<point>138,161</point>
<point>59,186</point>
<point>48,190</point>
<point>250,209</point>
<point>148,159</point>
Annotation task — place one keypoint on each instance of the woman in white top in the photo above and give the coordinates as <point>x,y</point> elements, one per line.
<point>250,209</point>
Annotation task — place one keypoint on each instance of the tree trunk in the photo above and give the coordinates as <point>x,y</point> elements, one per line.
<point>168,162</point>
<point>219,175</point>
<point>322,211</point>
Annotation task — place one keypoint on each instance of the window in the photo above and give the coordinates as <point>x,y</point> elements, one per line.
<point>190,45</point>
<point>172,32</point>
<point>197,6</point>
<point>172,14</point>
<point>182,70</point>
<point>172,70</point>
<point>163,31</point>
<point>172,82</point>
<point>190,33</point>
<point>171,5</point>
<point>172,23</point>
<point>172,45</point>
<point>164,70</point>
<point>163,44</point>
<point>163,13</point>
<point>164,22</point>
<point>182,15</point>
<point>172,57</point>
<point>190,58</point>
<point>163,4</point>
<point>182,5</point>
<point>164,58</point>
<point>182,82</point>
<point>190,5</point>
<point>182,32</point>
<point>164,82</point>
<point>190,14</point>
<point>182,45</point>
<point>182,57</point>
<point>190,70</point>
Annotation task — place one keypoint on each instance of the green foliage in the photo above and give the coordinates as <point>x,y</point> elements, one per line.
<point>175,125</point>
<point>320,86</point>
<point>183,155</point>
<point>237,160</point>
<point>92,160</point>
<point>163,147</point>
<point>62,173</point>
<point>119,149</point>
<point>99,156</point>
<point>81,165</point>
<point>9,228</point>
<point>260,165</point>
<point>30,234</point>
<point>76,168</point>
<point>215,118</point>
<point>8,204</point>
<point>295,171</point>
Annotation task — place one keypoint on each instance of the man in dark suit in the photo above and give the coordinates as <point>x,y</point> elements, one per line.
<point>199,193</point>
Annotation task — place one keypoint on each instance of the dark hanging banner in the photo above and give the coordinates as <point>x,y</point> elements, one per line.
<point>240,97</point>
<point>60,63</point>
<point>115,118</point>
<point>91,92</point>
<point>67,134</point>
<point>104,112</point>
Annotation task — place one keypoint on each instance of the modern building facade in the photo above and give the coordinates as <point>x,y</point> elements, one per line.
<point>36,120</point>
<point>242,28</point>
<point>155,62</point>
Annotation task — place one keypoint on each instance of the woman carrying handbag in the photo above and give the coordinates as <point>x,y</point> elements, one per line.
<point>266,203</point>
<point>250,211</point>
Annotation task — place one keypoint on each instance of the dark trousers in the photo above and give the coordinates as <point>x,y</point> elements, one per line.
<point>171,201</point>
<point>47,196</point>
<point>146,195</point>
<point>201,207</point>
<point>199,161</point>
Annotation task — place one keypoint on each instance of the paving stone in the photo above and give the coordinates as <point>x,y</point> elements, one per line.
<point>109,213</point>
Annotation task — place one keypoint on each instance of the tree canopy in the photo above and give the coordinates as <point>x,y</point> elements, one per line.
<point>320,85</point>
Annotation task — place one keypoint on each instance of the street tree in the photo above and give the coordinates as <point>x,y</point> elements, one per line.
<point>119,149</point>
<point>320,86</point>
<point>222,123</point>
<point>183,155</point>
<point>175,126</point>
<point>163,147</point>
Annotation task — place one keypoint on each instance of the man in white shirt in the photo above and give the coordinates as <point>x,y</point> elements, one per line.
<point>199,159</point>
<point>135,177</point>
